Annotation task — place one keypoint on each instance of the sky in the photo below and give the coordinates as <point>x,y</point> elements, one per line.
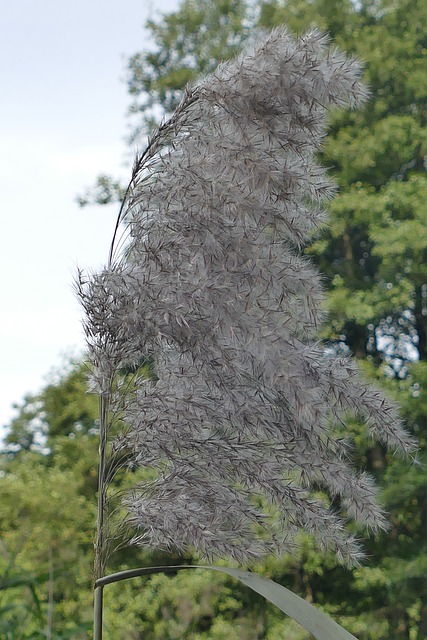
<point>63,121</point>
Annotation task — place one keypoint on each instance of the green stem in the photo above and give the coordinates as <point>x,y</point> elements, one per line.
<point>50,598</point>
<point>99,541</point>
<point>97,613</point>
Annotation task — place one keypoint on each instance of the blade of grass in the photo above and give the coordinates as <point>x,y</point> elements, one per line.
<point>320,625</point>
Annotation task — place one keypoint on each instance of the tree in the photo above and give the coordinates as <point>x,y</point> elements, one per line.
<point>62,408</point>
<point>187,43</point>
<point>47,484</point>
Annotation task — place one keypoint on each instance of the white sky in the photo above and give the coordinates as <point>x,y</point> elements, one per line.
<point>63,121</point>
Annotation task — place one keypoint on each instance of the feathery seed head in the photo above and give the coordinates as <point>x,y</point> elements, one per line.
<point>242,405</point>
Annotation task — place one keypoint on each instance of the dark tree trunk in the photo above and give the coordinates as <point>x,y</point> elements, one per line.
<point>421,327</point>
<point>356,339</point>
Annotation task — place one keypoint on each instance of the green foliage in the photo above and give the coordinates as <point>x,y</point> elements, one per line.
<point>105,191</point>
<point>336,17</point>
<point>63,408</point>
<point>187,43</point>
<point>46,517</point>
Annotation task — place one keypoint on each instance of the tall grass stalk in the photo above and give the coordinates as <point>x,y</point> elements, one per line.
<point>100,559</point>
<point>207,283</point>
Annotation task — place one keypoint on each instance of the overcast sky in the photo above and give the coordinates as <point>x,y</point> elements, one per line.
<point>63,121</point>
